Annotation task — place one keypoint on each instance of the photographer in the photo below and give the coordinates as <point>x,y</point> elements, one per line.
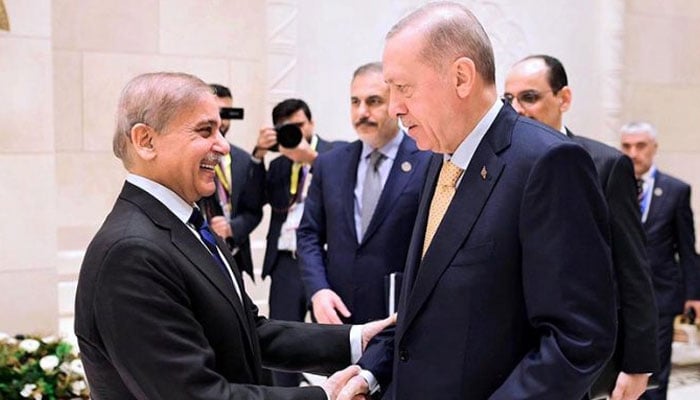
<point>222,208</point>
<point>284,188</point>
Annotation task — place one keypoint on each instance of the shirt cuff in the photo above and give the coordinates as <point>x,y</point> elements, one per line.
<point>355,343</point>
<point>371,381</point>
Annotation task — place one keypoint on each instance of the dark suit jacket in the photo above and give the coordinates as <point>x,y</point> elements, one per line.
<point>242,221</point>
<point>636,347</point>
<point>356,271</point>
<point>671,245</point>
<point>156,318</point>
<point>502,305</point>
<point>274,191</point>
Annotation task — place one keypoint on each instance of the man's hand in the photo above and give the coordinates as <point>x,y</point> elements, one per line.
<point>221,227</point>
<point>303,153</point>
<point>267,137</point>
<point>337,381</point>
<point>629,386</point>
<point>370,329</point>
<point>355,389</point>
<point>324,303</point>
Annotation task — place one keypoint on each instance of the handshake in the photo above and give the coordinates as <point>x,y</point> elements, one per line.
<point>348,384</point>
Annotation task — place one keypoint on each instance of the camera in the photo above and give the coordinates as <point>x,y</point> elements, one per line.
<point>231,113</point>
<point>288,135</point>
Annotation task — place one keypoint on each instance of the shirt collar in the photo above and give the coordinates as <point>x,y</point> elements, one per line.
<point>650,174</point>
<point>170,199</point>
<point>389,150</point>
<point>465,151</point>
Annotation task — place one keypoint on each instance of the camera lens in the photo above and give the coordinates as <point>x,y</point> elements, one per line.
<point>288,135</point>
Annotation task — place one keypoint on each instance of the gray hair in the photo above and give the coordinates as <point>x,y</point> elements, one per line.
<point>637,127</point>
<point>367,68</point>
<point>451,31</point>
<point>153,99</point>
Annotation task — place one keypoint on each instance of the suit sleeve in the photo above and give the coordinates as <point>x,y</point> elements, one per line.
<point>250,203</point>
<point>638,311</point>
<point>153,338</point>
<point>567,279</point>
<point>685,236</point>
<point>311,235</point>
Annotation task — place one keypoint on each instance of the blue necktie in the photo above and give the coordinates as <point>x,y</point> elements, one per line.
<point>200,224</point>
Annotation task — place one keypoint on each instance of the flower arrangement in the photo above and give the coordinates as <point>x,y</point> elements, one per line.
<point>36,368</point>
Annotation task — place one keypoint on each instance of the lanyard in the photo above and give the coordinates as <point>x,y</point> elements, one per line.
<point>296,169</point>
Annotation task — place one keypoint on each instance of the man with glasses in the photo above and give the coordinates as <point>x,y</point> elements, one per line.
<point>537,87</point>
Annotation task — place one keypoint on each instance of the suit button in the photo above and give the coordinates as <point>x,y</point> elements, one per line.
<point>403,355</point>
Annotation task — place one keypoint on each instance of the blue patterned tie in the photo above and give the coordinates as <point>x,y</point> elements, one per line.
<point>200,224</point>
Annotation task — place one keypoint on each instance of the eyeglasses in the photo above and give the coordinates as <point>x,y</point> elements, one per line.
<point>526,98</point>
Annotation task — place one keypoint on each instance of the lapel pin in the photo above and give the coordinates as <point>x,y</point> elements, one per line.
<point>658,191</point>
<point>484,173</point>
<point>406,166</point>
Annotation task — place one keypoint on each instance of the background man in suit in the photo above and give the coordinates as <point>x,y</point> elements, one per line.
<point>668,222</point>
<point>537,87</point>
<point>222,208</point>
<point>161,311</point>
<point>361,210</point>
<point>284,188</point>
<point>511,235</point>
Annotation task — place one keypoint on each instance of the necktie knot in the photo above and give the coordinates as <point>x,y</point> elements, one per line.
<point>197,220</point>
<point>375,159</point>
<point>449,174</point>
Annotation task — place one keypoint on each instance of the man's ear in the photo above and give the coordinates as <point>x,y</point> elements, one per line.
<point>465,74</point>
<point>564,95</point>
<point>142,137</point>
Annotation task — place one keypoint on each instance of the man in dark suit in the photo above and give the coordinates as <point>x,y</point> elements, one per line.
<point>361,210</point>
<point>537,87</point>
<point>668,222</point>
<point>222,209</point>
<point>284,189</point>
<point>511,235</point>
<point>161,311</point>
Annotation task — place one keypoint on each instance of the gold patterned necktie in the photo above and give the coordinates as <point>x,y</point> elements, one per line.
<point>444,191</point>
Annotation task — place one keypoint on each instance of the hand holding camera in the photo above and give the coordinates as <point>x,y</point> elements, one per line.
<point>283,138</point>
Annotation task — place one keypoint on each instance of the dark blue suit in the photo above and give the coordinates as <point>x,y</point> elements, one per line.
<point>357,271</point>
<point>674,267</point>
<point>501,306</point>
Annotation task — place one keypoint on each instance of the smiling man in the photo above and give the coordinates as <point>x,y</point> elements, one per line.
<point>161,311</point>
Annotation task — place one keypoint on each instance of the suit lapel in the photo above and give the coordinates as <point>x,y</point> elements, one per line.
<point>185,241</point>
<point>352,154</point>
<point>657,201</point>
<point>395,185</point>
<point>464,210</point>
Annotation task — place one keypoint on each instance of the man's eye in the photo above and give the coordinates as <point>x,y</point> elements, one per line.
<point>529,97</point>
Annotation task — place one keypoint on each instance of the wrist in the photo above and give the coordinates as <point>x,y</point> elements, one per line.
<point>259,152</point>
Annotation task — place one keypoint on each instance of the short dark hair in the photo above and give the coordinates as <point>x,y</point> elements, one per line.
<point>220,90</point>
<point>288,107</point>
<point>557,74</point>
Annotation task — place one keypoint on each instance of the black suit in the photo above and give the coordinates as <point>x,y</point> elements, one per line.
<point>637,313</point>
<point>675,274</point>
<point>242,222</point>
<point>157,319</point>
<point>287,297</point>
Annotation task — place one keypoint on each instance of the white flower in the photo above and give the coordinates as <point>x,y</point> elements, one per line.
<point>76,367</point>
<point>49,339</point>
<point>27,390</point>
<point>4,336</point>
<point>48,363</point>
<point>29,345</point>
<point>77,387</point>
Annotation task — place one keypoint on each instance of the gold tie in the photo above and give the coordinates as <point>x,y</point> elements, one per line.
<point>445,190</point>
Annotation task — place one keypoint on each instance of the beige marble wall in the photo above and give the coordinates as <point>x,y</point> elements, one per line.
<point>27,186</point>
<point>662,82</point>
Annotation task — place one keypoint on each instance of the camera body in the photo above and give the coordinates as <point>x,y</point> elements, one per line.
<point>231,113</point>
<point>288,136</point>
